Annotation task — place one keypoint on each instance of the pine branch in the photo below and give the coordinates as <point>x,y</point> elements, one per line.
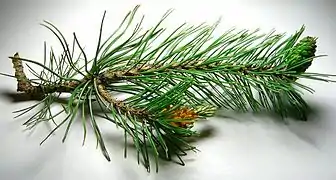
<point>171,82</point>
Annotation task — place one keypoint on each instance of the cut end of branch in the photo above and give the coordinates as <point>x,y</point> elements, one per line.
<point>23,83</point>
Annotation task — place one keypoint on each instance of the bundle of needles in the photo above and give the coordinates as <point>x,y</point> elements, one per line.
<point>170,81</point>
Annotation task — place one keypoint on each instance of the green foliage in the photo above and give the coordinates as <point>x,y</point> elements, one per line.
<point>188,68</point>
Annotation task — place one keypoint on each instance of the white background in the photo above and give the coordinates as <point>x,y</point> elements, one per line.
<point>243,147</point>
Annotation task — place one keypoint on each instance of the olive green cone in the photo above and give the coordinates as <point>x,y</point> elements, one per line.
<point>302,55</point>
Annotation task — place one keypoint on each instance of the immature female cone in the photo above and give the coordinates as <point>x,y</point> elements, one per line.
<point>304,50</point>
